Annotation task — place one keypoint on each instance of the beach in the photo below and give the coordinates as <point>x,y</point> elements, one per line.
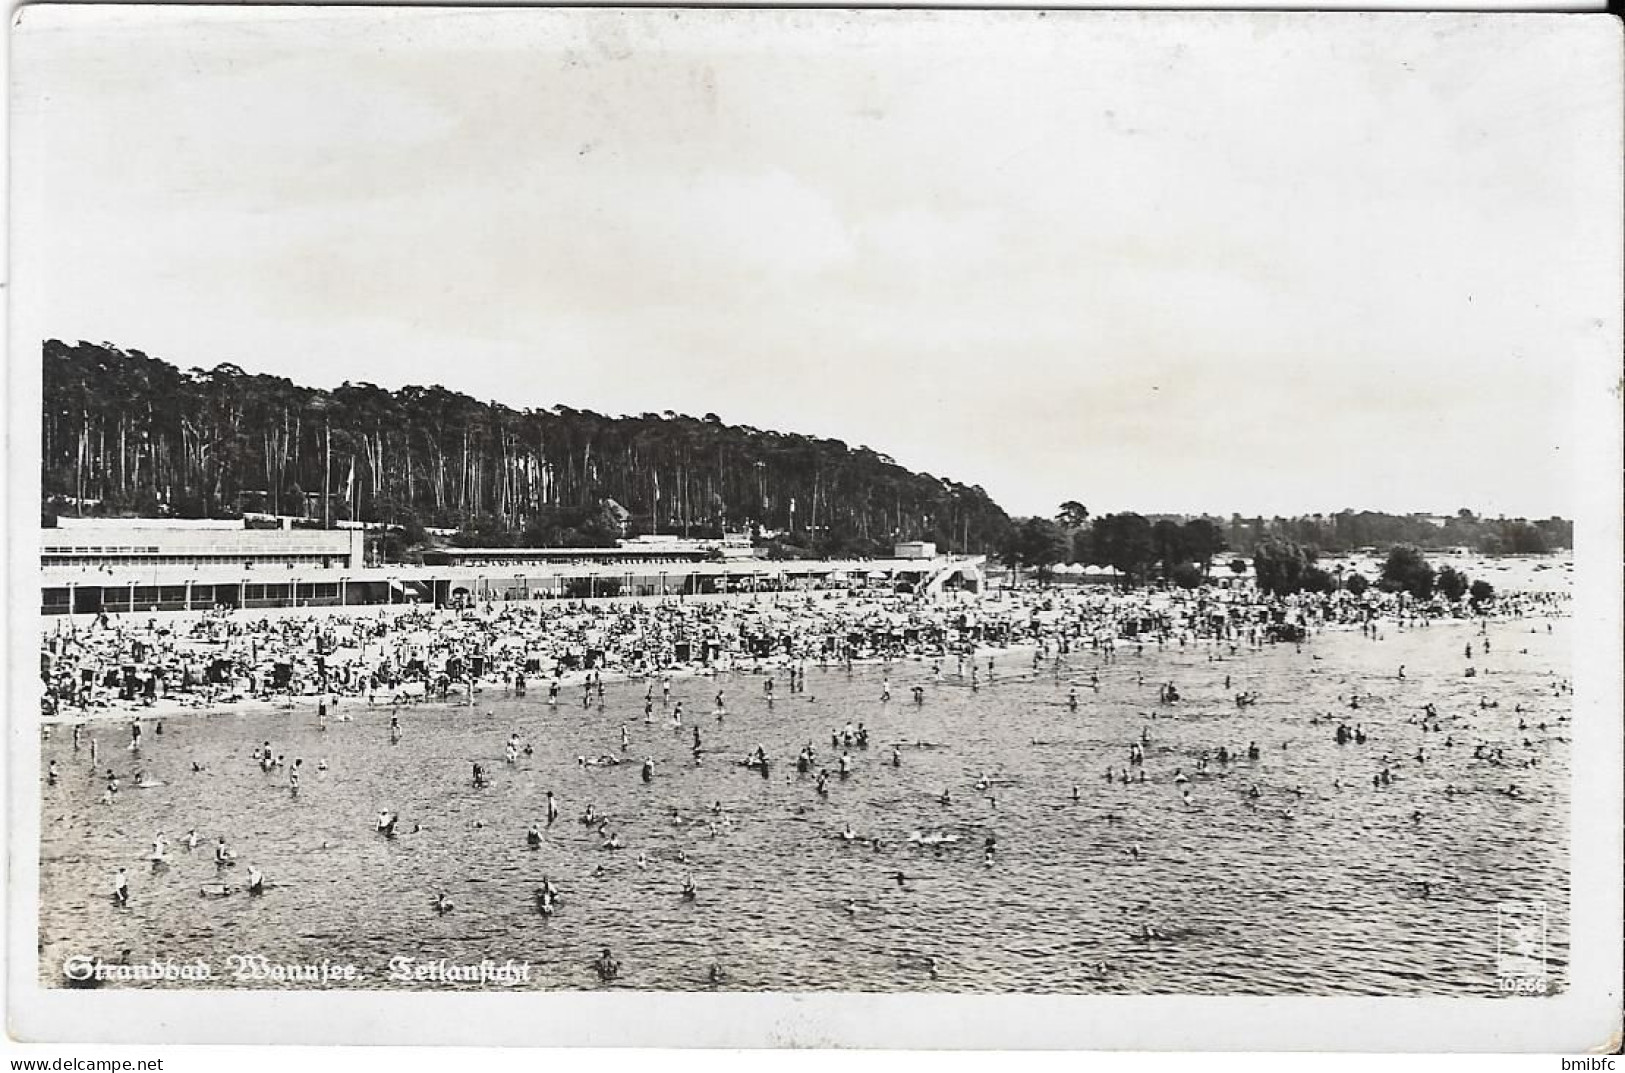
<point>1291,873</point>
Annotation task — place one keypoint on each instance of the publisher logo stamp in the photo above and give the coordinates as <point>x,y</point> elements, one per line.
<point>1520,947</point>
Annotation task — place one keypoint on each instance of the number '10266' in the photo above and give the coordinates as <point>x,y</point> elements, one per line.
<point>1524,985</point>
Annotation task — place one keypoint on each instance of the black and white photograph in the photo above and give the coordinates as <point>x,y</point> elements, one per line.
<point>695,505</point>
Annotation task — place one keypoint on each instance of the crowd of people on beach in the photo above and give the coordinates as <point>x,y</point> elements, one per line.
<point>130,662</point>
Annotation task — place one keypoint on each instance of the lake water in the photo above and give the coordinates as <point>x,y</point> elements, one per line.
<point>1327,901</point>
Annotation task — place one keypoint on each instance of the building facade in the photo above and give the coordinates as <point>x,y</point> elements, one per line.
<point>129,567</point>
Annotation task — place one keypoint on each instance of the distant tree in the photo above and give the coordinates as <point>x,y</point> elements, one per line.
<point>484,531</point>
<point>1521,538</point>
<point>1318,579</point>
<point>1203,540</point>
<point>1123,542</point>
<point>1356,584</point>
<point>1041,544</point>
<point>1083,545</point>
<point>412,531</point>
<point>1405,570</point>
<point>1482,592</point>
<point>1238,566</point>
<point>1168,544</point>
<point>1187,576</point>
<point>1073,515</point>
<point>1010,551</point>
<point>1279,566</point>
<point>1451,583</point>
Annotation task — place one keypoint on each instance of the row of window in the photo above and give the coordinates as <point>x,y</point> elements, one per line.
<point>202,595</point>
<point>195,560</point>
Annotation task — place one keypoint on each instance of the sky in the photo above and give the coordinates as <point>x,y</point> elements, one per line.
<point>1265,263</point>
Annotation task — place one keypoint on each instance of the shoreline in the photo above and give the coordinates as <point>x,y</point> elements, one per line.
<point>167,708</point>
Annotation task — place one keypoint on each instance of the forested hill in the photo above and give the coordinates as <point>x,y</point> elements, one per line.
<point>125,433</point>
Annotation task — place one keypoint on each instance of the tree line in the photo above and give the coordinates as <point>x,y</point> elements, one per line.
<point>1134,546</point>
<point>1350,530</point>
<point>129,434</point>
<point>1182,551</point>
<point>1281,567</point>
